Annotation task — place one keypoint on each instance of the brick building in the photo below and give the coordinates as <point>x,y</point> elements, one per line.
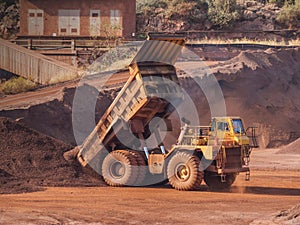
<point>77,18</point>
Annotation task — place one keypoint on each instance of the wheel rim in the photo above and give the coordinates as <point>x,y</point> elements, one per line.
<point>182,172</point>
<point>117,170</point>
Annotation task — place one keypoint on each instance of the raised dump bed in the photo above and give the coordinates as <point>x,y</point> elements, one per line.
<point>152,90</point>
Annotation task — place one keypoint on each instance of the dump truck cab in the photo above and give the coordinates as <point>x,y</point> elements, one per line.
<point>230,130</point>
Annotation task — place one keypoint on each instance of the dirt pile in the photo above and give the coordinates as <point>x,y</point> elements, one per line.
<point>30,160</point>
<point>285,217</point>
<point>292,148</point>
<point>54,118</point>
<point>290,216</point>
<point>263,87</point>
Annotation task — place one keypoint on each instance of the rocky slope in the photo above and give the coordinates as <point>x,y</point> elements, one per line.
<point>253,16</point>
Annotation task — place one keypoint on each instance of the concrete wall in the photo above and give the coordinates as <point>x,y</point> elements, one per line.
<point>50,9</point>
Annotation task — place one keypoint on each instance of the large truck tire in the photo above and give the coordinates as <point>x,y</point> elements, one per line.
<point>119,168</point>
<point>140,169</point>
<point>214,182</point>
<point>184,172</point>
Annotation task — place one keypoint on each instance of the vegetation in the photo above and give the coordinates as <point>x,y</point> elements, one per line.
<point>9,2</point>
<point>173,12</point>
<point>17,85</point>
<point>215,41</point>
<point>290,14</point>
<point>281,3</point>
<point>223,13</point>
<point>173,9</point>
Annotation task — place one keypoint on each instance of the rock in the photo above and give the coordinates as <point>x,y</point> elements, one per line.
<point>250,3</point>
<point>249,15</point>
<point>71,155</point>
<point>208,25</point>
<point>159,10</point>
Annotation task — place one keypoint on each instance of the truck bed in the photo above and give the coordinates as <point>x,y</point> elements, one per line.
<point>151,88</point>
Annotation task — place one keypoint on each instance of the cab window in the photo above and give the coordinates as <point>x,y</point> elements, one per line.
<point>223,126</point>
<point>213,125</point>
<point>238,126</point>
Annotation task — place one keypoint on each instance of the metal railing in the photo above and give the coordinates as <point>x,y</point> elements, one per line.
<point>32,65</point>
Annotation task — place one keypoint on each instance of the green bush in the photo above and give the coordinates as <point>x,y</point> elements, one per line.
<point>223,13</point>
<point>290,16</point>
<point>17,85</point>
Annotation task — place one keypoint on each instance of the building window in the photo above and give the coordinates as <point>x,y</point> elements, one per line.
<point>115,17</point>
<point>95,22</point>
<point>116,23</point>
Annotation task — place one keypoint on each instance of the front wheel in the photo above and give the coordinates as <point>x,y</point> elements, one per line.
<point>184,171</point>
<point>214,181</point>
<point>118,168</point>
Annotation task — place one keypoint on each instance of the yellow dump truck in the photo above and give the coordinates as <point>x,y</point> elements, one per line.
<point>117,148</point>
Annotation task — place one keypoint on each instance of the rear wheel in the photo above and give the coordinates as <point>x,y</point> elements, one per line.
<point>118,168</point>
<point>184,171</point>
<point>214,181</point>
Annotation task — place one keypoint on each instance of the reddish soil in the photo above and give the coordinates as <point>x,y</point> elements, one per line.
<point>292,148</point>
<point>54,118</point>
<point>31,160</point>
<point>260,86</point>
<point>265,200</point>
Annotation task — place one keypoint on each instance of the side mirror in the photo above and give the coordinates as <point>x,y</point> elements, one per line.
<point>185,120</point>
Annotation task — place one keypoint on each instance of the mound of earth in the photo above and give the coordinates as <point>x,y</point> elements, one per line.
<point>285,217</point>
<point>54,118</point>
<point>290,216</point>
<point>30,160</point>
<point>292,148</point>
<point>261,86</point>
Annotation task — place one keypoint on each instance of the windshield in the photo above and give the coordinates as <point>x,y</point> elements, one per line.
<point>223,126</point>
<point>238,126</point>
